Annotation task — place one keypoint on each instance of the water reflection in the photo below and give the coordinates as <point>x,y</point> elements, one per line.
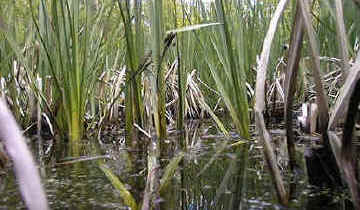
<point>235,179</point>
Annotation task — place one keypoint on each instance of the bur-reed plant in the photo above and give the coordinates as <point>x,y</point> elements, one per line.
<point>157,34</point>
<point>18,59</point>
<point>229,51</point>
<point>134,54</point>
<point>225,67</point>
<point>70,42</point>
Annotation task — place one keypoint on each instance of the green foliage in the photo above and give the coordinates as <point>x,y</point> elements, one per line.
<point>157,33</point>
<point>68,44</point>
<point>134,52</point>
<point>70,53</point>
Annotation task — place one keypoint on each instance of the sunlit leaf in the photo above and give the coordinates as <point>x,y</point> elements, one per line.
<point>192,27</point>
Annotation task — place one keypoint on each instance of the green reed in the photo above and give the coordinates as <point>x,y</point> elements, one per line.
<point>70,54</point>
<point>134,53</point>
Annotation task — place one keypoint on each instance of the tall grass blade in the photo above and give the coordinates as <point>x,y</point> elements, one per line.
<point>233,73</point>
<point>72,63</point>
<point>264,57</point>
<point>132,89</point>
<point>342,101</point>
<point>180,80</point>
<point>192,27</point>
<point>348,156</point>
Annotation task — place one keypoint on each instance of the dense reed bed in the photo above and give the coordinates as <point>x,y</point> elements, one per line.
<point>69,69</point>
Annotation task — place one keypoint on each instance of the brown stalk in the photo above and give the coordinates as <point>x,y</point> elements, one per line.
<point>347,103</point>
<point>341,33</point>
<point>322,100</point>
<point>264,135</point>
<point>290,81</point>
<point>347,167</point>
<point>348,158</point>
<point>342,102</point>
<point>270,158</point>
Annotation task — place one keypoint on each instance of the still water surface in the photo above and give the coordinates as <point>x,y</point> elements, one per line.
<point>236,178</point>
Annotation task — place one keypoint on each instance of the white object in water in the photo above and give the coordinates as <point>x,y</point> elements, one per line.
<point>25,169</point>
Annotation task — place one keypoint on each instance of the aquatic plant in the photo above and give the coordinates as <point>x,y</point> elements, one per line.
<point>134,54</point>
<point>91,61</point>
<point>157,33</point>
<point>69,52</point>
<point>343,148</point>
<point>232,82</point>
<point>260,105</point>
<point>303,19</point>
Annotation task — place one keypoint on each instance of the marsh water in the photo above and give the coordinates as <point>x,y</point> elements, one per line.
<point>216,173</point>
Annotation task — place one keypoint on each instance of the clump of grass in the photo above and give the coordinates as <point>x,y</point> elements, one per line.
<point>70,54</point>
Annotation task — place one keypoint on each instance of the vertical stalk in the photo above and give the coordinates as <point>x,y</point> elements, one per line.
<point>133,104</point>
<point>348,156</point>
<point>38,116</point>
<point>157,34</point>
<point>342,37</point>
<point>180,110</point>
<point>139,43</point>
<point>129,117</point>
<point>290,82</point>
<point>75,79</point>
<point>264,135</point>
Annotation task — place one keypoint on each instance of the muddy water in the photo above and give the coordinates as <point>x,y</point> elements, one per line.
<point>234,178</point>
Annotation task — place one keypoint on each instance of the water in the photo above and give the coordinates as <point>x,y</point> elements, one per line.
<point>235,179</point>
<point>80,187</point>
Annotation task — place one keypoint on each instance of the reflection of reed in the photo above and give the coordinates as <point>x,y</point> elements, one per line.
<point>151,194</point>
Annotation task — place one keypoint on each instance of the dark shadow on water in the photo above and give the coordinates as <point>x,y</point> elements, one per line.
<point>328,201</point>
